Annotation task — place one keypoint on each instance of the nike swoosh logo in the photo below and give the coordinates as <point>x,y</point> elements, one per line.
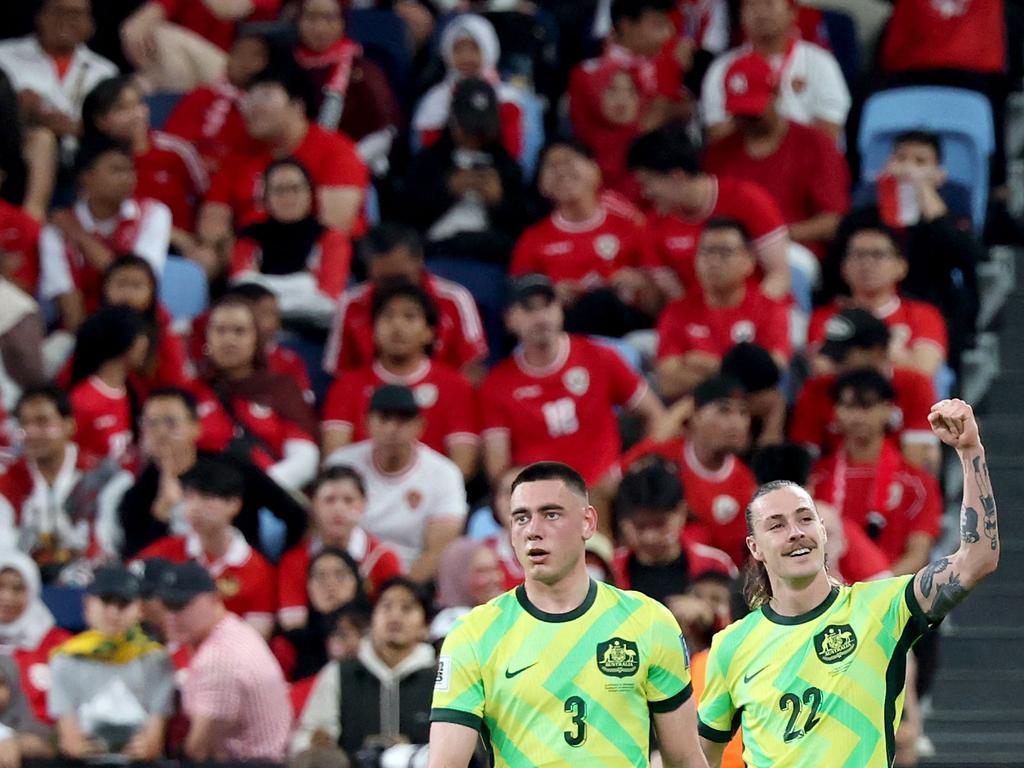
<point>510,675</point>
<point>748,678</point>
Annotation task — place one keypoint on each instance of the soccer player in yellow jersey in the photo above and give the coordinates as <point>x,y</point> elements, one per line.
<point>815,674</point>
<point>563,670</point>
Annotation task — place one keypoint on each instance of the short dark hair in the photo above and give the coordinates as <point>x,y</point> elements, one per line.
<point>663,151</point>
<point>215,477</point>
<point>871,224</point>
<point>417,590</point>
<point>652,484</point>
<point>337,474</point>
<point>92,148</point>
<point>720,223</point>
<point>920,136</point>
<point>133,261</point>
<point>292,79</point>
<point>787,461</point>
<point>251,292</point>
<point>574,145</point>
<point>183,396</point>
<point>288,162</point>
<point>386,237</point>
<point>101,100</point>
<point>384,294</point>
<point>635,9</point>
<point>863,381</point>
<point>552,470</point>
<point>49,391</point>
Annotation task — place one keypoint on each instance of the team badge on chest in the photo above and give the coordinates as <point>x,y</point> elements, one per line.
<point>607,246</point>
<point>618,658</point>
<point>835,643</point>
<point>576,380</point>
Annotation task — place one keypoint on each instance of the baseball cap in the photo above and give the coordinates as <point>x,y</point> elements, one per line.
<point>394,398</point>
<point>181,583</point>
<point>752,366</point>
<point>717,388</point>
<point>114,581</point>
<point>750,85</point>
<point>533,284</point>
<point>475,107</point>
<point>150,571</point>
<point>853,329</point>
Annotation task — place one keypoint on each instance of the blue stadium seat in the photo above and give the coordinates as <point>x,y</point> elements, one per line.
<point>962,118</point>
<point>183,288</point>
<point>533,132</point>
<point>65,603</point>
<point>487,284</point>
<point>385,42</point>
<point>160,107</point>
<point>842,37</point>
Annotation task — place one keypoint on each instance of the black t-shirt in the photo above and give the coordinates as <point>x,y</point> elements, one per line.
<point>659,581</point>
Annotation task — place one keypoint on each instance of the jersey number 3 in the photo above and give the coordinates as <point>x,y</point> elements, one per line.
<point>577,707</point>
<point>812,698</point>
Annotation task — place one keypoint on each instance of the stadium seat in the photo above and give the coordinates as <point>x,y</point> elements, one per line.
<point>962,118</point>
<point>385,42</point>
<point>183,288</point>
<point>160,107</point>
<point>842,37</point>
<point>487,284</point>
<point>65,603</point>
<point>533,132</point>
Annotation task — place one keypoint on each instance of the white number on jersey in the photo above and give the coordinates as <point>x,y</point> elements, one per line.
<point>560,416</point>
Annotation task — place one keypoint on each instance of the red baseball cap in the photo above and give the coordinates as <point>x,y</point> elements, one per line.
<point>749,85</point>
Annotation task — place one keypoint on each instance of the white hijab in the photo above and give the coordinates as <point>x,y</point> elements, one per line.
<point>28,630</point>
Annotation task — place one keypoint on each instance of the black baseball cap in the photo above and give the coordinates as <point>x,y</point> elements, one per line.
<point>523,288</point>
<point>475,107</point>
<point>853,329</point>
<point>181,583</point>
<point>718,388</point>
<point>751,365</point>
<point>150,572</point>
<point>114,581</point>
<point>394,399</point>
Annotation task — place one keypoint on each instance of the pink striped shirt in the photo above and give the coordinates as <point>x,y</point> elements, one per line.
<point>235,677</point>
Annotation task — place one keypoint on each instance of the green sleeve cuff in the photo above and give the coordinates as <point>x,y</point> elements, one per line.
<point>713,734</point>
<point>457,716</point>
<point>672,703</point>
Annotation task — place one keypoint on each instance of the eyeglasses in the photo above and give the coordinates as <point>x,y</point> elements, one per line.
<point>876,254</point>
<point>287,189</point>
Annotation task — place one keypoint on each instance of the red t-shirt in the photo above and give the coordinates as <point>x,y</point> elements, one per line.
<point>672,240</point>
<point>459,338</point>
<point>700,559</point>
<point>888,498</point>
<point>197,17</point>
<point>103,420</point>
<point>377,563</point>
<point>288,363</point>
<point>19,243</point>
<point>329,260</point>
<point>690,325</point>
<point>564,412</point>
<point>910,322</point>
<point>170,171</point>
<point>245,580</point>
<point>34,669</point>
<point>330,158</point>
<point>587,252</point>
<point>814,423</point>
<point>715,499</point>
<point>805,176</point>
<point>446,399</point>
<point>863,560</point>
<point>208,118</point>
<point>945,34</point>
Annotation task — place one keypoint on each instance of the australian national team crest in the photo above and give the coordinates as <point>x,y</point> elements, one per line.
<point>618,657</point>
<point>835,643</point>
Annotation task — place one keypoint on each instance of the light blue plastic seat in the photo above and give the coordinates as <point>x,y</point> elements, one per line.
<point>184,290</point>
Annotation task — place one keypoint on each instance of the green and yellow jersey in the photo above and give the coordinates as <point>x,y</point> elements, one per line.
<point>821,689</point>
<point>573,688</point>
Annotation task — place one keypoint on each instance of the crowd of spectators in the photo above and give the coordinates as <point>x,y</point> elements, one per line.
<point>441,240</point>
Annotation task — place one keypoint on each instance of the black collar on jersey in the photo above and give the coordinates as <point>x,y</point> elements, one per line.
<point>802,618</point>
<point>557,618</point>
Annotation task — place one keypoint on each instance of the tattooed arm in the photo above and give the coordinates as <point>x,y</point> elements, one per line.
<point>941,585</point>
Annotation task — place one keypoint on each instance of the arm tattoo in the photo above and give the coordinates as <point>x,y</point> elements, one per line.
<point>969,526</point>
<point>928,575</point>
<point>988,502</point>
<point>947,597</point>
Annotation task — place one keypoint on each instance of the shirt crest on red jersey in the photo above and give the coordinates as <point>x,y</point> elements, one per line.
<point>413,499</point>
<point>698,331</point>
<point>744,330</point>
<point>260,411</point>
<point>228,586</point>
<point>607,246</point>
<point>724,509</point>
<point>425,395</point>
<point>680,242</point>
<point>577,380</point>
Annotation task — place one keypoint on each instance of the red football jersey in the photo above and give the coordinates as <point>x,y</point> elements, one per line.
<point>672,240</point>
<point>245,579</point>
<point>690,325</point>
<point>377,563</point>
<point>945,34</point>
<point>220,31</point>
<point>805,176</point>
<point>19,243</point>
<point>34,669</point>
<point>813,421</point>
<point>715,499</point>
<point>889,498</point>
<point>329,261</point>
<point>700,559</point>
<point>103,420</point>
<point>170,171</point>
<point>564,412</point>
<point>459,339</point>
<point>587,252</point>
<point>511,569</point>
<point>446,399</point>
<point>330,158</point>
<point>288,363</point>
<point>209,119</point>
<point>910,322</point>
